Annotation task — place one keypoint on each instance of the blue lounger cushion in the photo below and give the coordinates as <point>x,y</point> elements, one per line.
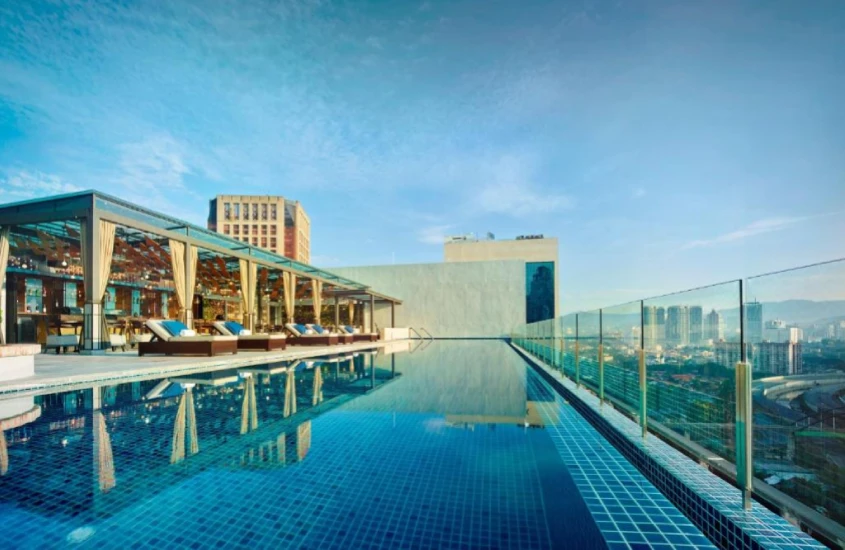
<point>301,329</point>
<point>174,327</point>
<point>234,327</point>
<point>318,329</point>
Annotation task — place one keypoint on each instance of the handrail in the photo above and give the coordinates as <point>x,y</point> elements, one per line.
<point>412,329</point>
<point>430,337</point>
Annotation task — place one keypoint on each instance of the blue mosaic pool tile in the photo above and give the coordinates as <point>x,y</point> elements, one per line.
<point>713,505</point>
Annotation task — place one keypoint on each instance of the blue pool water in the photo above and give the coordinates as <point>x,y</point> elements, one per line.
<point>458,445</point>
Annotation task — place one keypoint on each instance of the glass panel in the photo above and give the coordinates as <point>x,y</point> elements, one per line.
<point>796,330</point>
<point>620,344</point>
<point>568,327</point>
<point>691,378</point>
<point>539,291</point>
<point>589,335</point>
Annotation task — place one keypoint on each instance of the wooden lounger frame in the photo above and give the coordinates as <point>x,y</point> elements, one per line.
<point>262,344</point>
<point>318,340</point>
<point>195,347</point>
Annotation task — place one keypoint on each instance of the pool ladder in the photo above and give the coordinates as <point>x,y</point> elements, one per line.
<point>427,336</point>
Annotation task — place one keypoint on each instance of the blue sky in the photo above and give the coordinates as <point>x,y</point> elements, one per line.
<point>666,144</point>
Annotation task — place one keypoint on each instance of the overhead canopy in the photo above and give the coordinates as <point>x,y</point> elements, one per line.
<point>49,219</point>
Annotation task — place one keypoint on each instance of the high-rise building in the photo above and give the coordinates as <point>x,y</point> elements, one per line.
<point>778,331</point>
<point>728,354</point>
<point>540,255</point>
<point>714,327</point>
<point>649,326</point>
<point>696,325</point>
<point>777,358</point>
<point>753,322</point>
<point>677,325</point>
<point>270,222</point>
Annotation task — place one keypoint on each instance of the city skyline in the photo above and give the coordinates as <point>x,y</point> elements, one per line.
<point>650,137</point>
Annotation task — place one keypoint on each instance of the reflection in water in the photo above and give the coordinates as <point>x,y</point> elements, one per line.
<point>317,397</point>
<point>185,427</point>
<point>103,452</point>
<point>249,409</point>
<point>4,454</point>
<point>290,393</point>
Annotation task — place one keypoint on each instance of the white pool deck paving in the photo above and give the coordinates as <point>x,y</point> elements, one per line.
<point>760,524</point>
<point>68,370</point>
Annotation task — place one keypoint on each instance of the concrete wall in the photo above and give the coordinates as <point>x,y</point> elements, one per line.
<point>528,250</point>
<point>454,300</point>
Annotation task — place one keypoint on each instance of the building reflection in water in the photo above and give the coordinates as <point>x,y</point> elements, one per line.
<point>185,427</point>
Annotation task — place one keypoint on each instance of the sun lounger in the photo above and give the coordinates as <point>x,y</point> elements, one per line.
<point>248,341</point>
<point>357,335</point>
<point>303,336</point>
<point>341,338</point>
<point>173,338</point>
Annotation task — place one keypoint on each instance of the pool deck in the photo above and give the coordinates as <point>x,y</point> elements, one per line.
<point>69,371</point>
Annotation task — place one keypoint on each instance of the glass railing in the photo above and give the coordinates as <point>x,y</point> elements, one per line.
<point>678,355</point>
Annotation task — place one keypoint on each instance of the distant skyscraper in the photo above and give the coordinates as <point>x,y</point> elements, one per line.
<point>777,358</point>
<point>728,354</point>
<point>696,325</point>
<point>677,325</point>
<point>777,331</point>
<point>753,322</point>
<point>715,326</point>
<point>649,326</point>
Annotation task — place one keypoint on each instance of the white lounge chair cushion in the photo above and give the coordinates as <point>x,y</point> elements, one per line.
<point>187,332</point>
<point>202,338</point>
<point>245,332</point>
<point>263,337</point>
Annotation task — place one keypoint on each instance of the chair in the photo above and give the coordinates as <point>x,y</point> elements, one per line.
<point>341,338</point>
<point>251,342</point>
<point>167,339</point>
<point>357,335</point>
<point>302,335</point>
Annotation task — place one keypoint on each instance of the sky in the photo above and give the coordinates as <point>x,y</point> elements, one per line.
<point>666,144</point>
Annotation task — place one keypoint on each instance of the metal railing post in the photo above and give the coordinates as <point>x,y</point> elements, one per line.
<point>577,353</point>
<point>643,393</point>
<point>601,358</point>
<point>744,461</point>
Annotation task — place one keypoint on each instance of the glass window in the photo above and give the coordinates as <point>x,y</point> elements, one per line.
<point>254,211</point>
<point>273,213</point>
<point>255,229</point>
<point>237,211</point>
<point>237,229</point>
<point>263,229</point>
<point>264,242</point>
<point>255,241</point>
<point>246,229</point>
<point>540,291</point>
<point>226,229</point>
<point>273,229</point>
<point>246,211</point>
<point>273,243</point>
<point>263,211</point>
<point>227,211</point>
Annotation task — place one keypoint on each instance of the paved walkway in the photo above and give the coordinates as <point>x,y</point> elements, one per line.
<point>69,371</point>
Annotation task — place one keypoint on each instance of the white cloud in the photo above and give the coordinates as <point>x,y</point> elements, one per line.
<point>512,191</point>
<point>756,228</point>
<point>25,184</point>
<point>638,193</point>
<point>434,234</point>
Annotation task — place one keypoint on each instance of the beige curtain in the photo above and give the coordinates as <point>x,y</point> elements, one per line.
<point>184,277</point>
<point>106,248</point>
<point>249,409</point>
<point>289,284</point>
<point>317,298</point>
<point>249,277</point>
<point>290,393</point>
<point>317,396</point>
<point>4,261</point>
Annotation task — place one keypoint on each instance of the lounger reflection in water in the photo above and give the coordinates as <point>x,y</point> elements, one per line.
<point>248,341</point>
<point>174,338</point>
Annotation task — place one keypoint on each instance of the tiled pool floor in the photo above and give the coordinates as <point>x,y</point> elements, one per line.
<point>459,446</point>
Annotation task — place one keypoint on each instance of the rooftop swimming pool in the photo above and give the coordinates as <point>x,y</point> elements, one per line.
<point>455,445</point>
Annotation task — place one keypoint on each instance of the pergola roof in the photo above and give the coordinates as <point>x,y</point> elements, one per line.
<point>52,214</point>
